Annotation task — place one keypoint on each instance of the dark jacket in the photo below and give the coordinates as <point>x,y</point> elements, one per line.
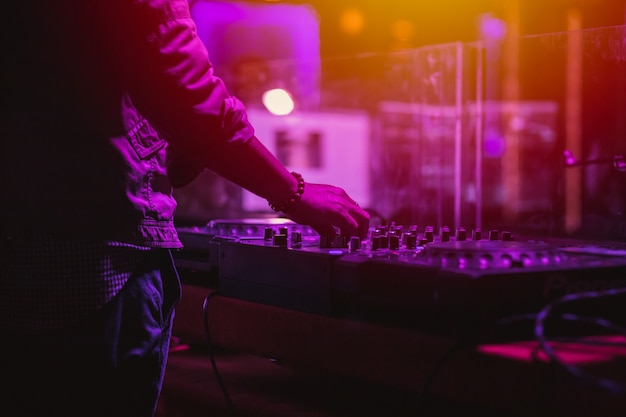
<point>107,105</point>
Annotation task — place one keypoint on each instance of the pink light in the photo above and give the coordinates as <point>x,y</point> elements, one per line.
<point>571,353</point>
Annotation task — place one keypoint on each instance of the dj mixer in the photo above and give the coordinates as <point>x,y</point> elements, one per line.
<point>400,275</point>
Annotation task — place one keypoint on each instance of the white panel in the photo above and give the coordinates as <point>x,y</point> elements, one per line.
<point>325,147</point>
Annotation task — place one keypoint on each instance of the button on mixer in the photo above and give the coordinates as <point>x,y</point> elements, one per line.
<point>355,243</point>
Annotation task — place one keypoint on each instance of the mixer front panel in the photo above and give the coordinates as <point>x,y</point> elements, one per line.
<point>259,270</point>
<point>402,274</point>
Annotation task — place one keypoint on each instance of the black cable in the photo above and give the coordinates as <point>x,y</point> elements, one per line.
<point>579,341</point>
<point>468,341</point>
<point>613,386</point>
<point>600,322</point>
<point>218,377</point>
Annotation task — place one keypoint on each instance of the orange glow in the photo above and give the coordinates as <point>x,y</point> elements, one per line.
<point>402,30</point>
<point>352,21</point>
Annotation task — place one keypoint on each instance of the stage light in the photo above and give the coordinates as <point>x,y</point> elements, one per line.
<point>278,101</point>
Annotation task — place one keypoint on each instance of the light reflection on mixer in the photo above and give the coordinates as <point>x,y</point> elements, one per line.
<point>254,227</point>
<point>488,254</point>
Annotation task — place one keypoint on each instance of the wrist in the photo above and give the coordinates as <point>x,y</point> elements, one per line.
<point>289,203</point>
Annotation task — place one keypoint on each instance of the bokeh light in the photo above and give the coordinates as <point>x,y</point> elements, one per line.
<point>352,21</point>
<point>278,101</point>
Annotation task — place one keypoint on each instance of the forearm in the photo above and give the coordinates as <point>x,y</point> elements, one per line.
<point>324,207</point>
<point>252,166</point>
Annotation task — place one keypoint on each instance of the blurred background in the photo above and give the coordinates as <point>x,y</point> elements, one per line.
<point>505,114</point>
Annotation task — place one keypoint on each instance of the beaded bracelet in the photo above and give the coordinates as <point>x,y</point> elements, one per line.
<point>288,205</point>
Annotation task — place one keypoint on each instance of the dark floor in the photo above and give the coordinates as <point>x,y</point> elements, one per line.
<point>343,368</point>
<point>263,387</point>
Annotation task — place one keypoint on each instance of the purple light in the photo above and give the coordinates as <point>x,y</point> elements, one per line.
<point>570,159</point>
<point>236,32</point>
<point>493,144</point>
<point>491,27</point>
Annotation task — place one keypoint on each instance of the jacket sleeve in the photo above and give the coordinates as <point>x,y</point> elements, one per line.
<point>172,82</point>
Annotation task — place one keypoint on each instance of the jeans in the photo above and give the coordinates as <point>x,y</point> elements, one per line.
<point>109,365</point>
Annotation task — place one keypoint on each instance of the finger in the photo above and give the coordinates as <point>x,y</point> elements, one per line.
<point>364,224</point>
<point>350,230</point>
<point>362,220</point>
<point>324,229</point>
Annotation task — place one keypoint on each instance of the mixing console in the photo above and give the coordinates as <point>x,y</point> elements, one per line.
<point>399,274</point>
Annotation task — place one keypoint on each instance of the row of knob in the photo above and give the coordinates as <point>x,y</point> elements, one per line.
<point>396,238</point>
<point>386,237</point>
<point>444,235</point>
